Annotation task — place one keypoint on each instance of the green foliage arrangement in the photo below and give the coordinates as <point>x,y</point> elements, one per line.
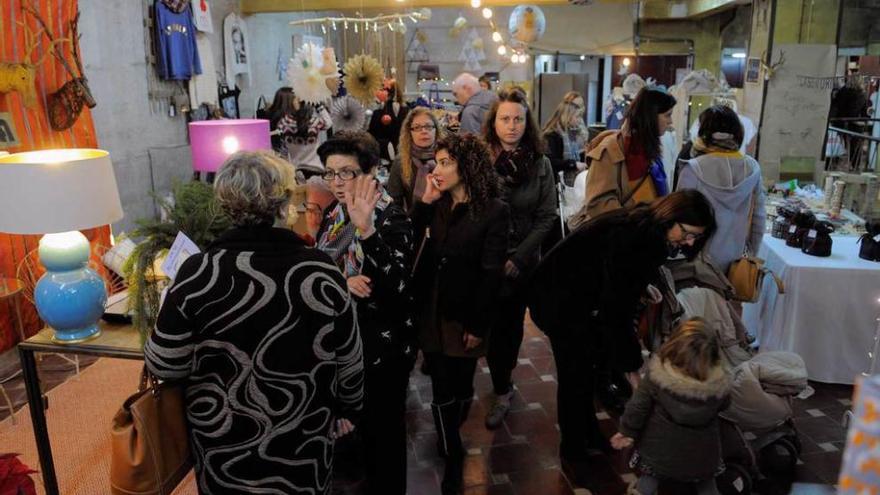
<point>192,211</point>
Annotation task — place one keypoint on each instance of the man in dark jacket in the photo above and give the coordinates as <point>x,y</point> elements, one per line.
<point>475,102</point>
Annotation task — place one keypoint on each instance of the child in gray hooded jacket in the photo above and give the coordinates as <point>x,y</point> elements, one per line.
<point>672,417</point>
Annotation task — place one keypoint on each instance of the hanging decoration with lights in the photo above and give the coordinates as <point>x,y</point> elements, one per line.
<point>394,22</point>
<point>363,77</point>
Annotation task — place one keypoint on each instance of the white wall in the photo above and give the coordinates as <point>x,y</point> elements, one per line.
<point>114,59</point>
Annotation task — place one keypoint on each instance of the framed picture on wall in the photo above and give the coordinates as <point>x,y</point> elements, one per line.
<point>8,137</point>
<point>753,70</point>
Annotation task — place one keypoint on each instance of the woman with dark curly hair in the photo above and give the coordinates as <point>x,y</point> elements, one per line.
<point>530,190</point>
<point>458,272</point>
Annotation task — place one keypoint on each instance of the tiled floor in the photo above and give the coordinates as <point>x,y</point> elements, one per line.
<point>521,457</point>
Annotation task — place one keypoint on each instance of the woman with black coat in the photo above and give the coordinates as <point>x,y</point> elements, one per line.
<point>584,296</point>
<point>530,190</point>
<point>370,239</point>
<point>458,274</point>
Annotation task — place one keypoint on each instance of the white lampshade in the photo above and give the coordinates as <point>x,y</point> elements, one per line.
<point>60,190</point>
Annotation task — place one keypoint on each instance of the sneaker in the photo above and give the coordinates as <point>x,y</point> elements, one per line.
<point>499,410</point>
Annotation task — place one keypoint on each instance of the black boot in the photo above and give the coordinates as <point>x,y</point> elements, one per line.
<point>464,410</point>
<point>447,418</point>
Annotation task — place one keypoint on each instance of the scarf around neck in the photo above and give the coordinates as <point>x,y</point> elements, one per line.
<point>341,240</point>
<point>514,166</point>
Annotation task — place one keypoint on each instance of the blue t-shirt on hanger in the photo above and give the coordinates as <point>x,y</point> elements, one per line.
<point>176,52</point>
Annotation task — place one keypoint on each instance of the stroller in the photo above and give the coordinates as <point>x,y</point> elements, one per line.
<point>759,439</point>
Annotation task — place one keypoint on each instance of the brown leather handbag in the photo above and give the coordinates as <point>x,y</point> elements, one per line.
<point>150,451</point>
<point>746,274</point>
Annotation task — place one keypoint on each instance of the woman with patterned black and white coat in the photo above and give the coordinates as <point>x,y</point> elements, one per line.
<point>261,332</point>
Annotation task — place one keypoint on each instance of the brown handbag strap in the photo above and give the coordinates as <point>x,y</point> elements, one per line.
<point>749,228</point>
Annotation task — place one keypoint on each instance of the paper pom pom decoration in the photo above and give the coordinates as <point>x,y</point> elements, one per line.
<point>527,23</point>
<point>307,72</point>
<point>363,77</point>
<point>347,114</point>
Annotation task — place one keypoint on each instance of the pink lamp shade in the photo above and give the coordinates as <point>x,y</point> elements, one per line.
<point>214,140</point>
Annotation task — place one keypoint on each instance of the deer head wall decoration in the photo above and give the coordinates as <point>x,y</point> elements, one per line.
<point>67,102</point>
<point>769,70</point>
<point>21,76</point>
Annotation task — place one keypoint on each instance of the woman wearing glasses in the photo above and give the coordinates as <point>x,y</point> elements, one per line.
<point>457,276</point>
<point>370,239</point>
<point>731,181</point>
<point>565,135</point>
<point>584,296</point>
<point>415,160</point>
<point>530,190</point>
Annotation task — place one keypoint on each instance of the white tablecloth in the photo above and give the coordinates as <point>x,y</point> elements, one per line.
<point>828,312</point>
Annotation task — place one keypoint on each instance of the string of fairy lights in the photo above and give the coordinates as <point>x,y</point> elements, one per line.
<point>397,23</point>
<point>517,54</point>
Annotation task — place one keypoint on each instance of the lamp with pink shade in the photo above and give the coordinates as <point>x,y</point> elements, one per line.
<point>213,141</point>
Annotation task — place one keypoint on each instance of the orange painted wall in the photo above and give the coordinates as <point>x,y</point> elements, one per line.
<point>33,130</point>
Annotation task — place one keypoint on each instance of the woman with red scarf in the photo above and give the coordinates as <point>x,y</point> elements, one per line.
<point>625,165</point>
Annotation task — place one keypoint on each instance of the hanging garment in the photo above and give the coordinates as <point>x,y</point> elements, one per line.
<point>177,56</point>
<point>203,87</point>
<point>236,49</point>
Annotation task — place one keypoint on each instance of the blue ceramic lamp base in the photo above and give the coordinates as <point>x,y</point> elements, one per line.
<point>70,297</point>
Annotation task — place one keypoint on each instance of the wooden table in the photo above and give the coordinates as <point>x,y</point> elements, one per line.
<point>114,341</point>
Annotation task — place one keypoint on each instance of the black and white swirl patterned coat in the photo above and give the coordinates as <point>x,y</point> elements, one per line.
<point>262,332</point>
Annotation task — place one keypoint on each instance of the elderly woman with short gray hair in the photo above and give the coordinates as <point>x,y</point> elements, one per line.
<point>260,331</point>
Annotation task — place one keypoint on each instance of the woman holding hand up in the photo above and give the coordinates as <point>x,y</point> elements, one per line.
<point>370,239</point>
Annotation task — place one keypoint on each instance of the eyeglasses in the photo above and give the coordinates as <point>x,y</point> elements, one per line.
<point>420,128</point>
<point>688,235</point>
<point>345,175</point>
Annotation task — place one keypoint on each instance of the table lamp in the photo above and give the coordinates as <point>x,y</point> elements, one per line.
<point>212,141</point>
<point>58,193</point>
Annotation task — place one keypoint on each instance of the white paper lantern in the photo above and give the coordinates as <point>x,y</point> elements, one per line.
<point>527,23</point>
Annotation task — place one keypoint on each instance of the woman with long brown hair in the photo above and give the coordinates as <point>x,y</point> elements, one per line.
<point>415,159</point>
<point>458,273</point>
<point>626,166</point>
<point>514,141</point>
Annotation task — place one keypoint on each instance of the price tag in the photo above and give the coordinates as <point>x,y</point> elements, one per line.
<point>811,234</point>
<point>792,229</point>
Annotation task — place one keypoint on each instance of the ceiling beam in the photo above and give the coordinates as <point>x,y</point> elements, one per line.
<point>686,9</point>
<point>265,6</point>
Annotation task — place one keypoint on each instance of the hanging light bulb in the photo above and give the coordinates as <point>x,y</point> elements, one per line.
<point>496,37</point>
<point>502,50</point>
<point>475,4</point>
<point>487,13</point>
